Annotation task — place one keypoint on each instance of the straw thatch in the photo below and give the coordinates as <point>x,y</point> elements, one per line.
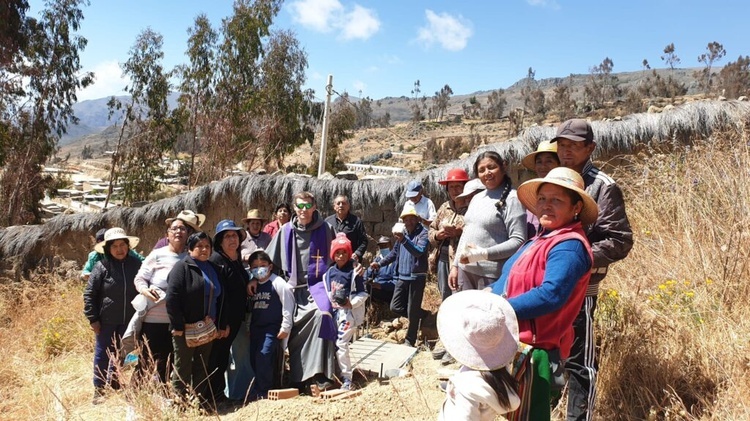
<point>67,236</point>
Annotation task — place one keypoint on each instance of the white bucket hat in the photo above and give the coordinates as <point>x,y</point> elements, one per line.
<point>189,217</point>
<point>470,187</point>
<point>115,233</point>
<point>479,329</point>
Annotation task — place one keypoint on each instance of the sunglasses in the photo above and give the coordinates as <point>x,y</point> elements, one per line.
<point>304,206</point>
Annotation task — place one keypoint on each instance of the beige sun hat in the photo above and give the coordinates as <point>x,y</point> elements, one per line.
<point>470,187</point>
<point>563,177</point>
<point>115,233</point>
<point>545,146</point>
<point>195,220</point>
<point>479,329</point>
<point>253,214</point>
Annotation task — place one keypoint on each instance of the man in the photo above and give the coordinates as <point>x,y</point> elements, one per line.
<point>384,278</point>
<point>300,251</point>
<point>411,252</point>
<point>350,224</point>
<point>423,205</point>
<point>255,238</point>
<point>611,239</point>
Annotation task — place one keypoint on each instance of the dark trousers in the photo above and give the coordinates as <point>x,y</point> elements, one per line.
<point>190,367</point>
<point>264,346</point>
<point>407,302</point>
<point>581,366</point>
<point>156,351</point>
<point>107,343</point>
<point>219,360</point>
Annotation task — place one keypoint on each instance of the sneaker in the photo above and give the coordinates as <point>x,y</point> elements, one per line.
<point>438,353</point>
<point>347,385</point>
<point>443,385</point>
<point>447,359</point>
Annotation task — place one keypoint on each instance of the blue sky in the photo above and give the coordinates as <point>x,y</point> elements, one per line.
<point>381,47</point>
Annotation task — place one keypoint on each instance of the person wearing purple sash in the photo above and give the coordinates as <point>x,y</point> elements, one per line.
<point>301,254</point>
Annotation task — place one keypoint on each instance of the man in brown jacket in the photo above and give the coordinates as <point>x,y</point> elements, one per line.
<point>611,239</point>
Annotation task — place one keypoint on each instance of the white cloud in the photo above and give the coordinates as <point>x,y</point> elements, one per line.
<point>359,86</point>
<point>451,33</point>
<point>108,81</point>
<point>330,15</point>
<point>552,4</point>
<point>318,15</point>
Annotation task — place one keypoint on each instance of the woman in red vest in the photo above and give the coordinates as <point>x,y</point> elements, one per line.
<point>545,282</point>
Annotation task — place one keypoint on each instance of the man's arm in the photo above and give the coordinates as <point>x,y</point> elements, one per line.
<point>611,236</point>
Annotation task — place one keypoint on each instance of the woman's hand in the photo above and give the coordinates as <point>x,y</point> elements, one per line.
<point>252,287</point>
<point>453,279</point>
<point>96,327</point>
<point>473,254</point>
<point>151,294</point>
<point>282,335</point>
<point>224,333</point>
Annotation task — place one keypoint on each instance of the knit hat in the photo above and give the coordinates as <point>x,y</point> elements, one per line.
<point>340,243</point>
<point>479,329</point>
<point>113,234</point>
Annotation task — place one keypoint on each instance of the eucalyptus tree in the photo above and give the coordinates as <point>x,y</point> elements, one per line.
<point>40,73</point>
<point>714,52</point>
<point>148,128</point>
<point>197,87</point>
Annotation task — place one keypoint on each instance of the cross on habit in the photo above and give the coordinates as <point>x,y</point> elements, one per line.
<point>317,258</point>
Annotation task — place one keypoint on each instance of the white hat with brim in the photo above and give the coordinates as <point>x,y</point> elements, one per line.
<point>563,177</point>
<point>195,220</point>
<point>545,146</point>
<point>472,186</point>
<point>113,234</point>
<point>479,329</point>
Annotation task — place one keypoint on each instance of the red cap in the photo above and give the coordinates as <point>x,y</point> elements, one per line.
<point>340,243</point>
<point>455,174</point>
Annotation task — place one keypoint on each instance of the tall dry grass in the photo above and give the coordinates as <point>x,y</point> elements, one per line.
<point>674,318</point>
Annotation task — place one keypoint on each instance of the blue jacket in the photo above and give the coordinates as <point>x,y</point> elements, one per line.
<point>411,253</point>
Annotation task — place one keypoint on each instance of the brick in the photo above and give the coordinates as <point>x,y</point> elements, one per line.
<point>279,394</point>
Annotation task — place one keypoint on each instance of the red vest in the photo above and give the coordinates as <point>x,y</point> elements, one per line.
<point>553,330</point>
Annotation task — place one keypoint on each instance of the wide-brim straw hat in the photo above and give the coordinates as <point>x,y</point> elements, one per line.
<point>479,329</point>
<point>566,178</point>
<point>195,220</point>
<point>252,214</point>
<point>545,146</point>
<point>115,233</point>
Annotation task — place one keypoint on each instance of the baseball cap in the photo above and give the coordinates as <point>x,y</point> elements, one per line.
<point>413,188</point>
<point>576,129</point>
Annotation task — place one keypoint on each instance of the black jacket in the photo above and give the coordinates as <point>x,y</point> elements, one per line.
<point>234,279</point>
<point>186,295</point>
<point>110,290</point>
<point>354,229</point>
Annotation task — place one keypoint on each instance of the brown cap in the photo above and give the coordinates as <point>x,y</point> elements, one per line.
<point>576,129</point>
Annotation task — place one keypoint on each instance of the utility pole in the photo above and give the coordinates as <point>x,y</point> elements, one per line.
<point>324,133</point>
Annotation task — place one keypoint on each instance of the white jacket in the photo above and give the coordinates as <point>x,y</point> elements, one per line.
<point>469,397</point>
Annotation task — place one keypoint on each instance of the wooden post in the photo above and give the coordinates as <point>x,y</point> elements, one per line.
<point>324,131</point>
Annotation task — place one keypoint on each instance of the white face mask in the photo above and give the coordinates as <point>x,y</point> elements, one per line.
<point>260,273</point>
<point>384,252</point>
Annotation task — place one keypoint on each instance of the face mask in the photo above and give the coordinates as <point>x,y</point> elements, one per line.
<point>261,272</point>
<point>384,252</point>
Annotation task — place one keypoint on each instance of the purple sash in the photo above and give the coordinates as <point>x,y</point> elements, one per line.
<point>316,268</point>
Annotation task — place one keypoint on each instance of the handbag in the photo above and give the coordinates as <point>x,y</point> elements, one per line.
<point>204,331</point>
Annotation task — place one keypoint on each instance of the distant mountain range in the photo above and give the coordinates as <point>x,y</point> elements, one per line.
<point>93,114</point>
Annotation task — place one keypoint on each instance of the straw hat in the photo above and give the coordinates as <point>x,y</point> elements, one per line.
<point>189,217</point>
<point>544,147</point>
<point>472,186</point>
<point>563,177</point>
<point>115,233</point>
<point>253,214</point>
<point>479,329</point>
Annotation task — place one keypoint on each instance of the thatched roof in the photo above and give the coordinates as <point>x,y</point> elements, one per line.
<point>67,235</point>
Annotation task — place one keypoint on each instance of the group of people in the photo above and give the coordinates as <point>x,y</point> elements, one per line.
<point>518,271</point>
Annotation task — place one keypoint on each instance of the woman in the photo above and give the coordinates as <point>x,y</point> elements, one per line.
<point>107,303</point>
<point>235,280</point>
<point>151,282</point>
<point>194,295</point>
<point>446,229</point>
<point>283,214</point>
<point>546,280</point>
<point>540,161</point>
<point>255,238</point>
<point>494,227</point>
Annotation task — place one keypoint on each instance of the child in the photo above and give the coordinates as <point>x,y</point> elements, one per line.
<point>272,309</point>
<point>479,329</point>
<point>346,290</point>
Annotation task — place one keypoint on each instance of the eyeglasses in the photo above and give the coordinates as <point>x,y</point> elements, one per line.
<point>304,205</point>
<point>178,229</point>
